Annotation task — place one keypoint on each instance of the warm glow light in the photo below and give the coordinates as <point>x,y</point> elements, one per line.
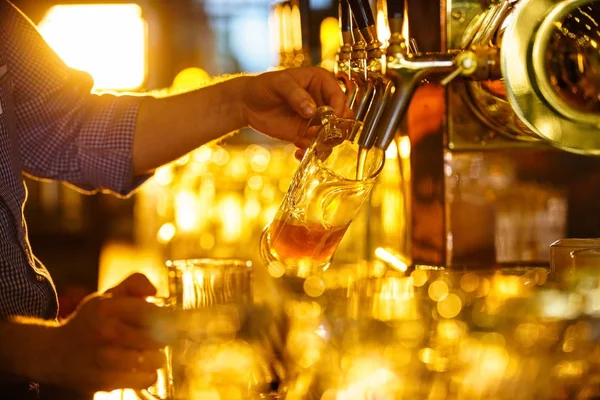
<point>438,290</point>
<point>207,241</point>
<point>183,160</point>
<point>252,208</point>
<point>255,182</point>
<point>419,277</point>
<point>232,213</point>
<point>395,300</point>
<point>404,147</point>
<point>450,306</point>
<point>166,232</point>
<point>259,157</point>
<point>236,168</point>
<point>275,28</point>
<point>528,334</point>
<point>189,292</point>
<point>405,27</point>
<point>276,269</point>
<point>203,154</point>
<point>220,156</point>
<point>186,211</point>
<point>469,282</point>
<point>118,261</point>
<point>106,40</point>
<point>268,213</point>
<point>507,286</point>
<point>368,380</point>
<point>296,28</point>
<point>314,286</point>
<point>394,260</point>
<point>190,79</point>
<point>286,28</point>
<point>330,38</point>
<point>383,30</point>
<point>164,175</point>
<point>328,65</point>
<point>120,394</point>
<point>392,151</point>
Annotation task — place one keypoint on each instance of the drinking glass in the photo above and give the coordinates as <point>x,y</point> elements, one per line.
<point>586,258</point>
<point>565,254</point>
<point>209,300</point>
<point>585,268</point>
<point>332,182</point>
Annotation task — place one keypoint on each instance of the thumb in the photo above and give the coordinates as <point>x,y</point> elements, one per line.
<point>135,285</point>
<point>288,89</point>
<point>299,154</point>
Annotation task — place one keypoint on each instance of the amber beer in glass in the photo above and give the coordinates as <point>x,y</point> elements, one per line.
<point>332,182</point>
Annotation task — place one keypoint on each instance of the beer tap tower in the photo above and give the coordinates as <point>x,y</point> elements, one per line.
<point>503,124</point>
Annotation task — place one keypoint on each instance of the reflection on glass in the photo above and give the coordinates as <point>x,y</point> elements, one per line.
<point>334,179</point>
<point>210,300</point>
<point>573,58</point>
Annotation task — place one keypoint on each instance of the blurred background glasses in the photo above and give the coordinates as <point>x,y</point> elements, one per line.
<point>213,356</point>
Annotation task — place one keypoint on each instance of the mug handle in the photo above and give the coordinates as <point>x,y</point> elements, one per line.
<point>319,118</point>
<point>144,394</point>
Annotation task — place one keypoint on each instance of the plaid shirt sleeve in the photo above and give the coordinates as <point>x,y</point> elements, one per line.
<point>65,132</point>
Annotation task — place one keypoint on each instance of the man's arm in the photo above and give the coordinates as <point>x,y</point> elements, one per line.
<point>21,345</point>
<point>104,141</point>
<point>64,132</point>
<point>170,127</point>
<point>277,104</point>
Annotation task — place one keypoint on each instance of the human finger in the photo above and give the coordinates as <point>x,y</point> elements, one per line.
<point>299,154</point>
<point>291,91</point>
<point>119,333</point>
<point>136,285</point>
<point>134,311</point>
<point>322,87</point>
<point>111,380</point>
<point>132,322</point>
<point>129,360</point>
<point>306,137</point>
<point>303,142</point>
<point>348,113</point>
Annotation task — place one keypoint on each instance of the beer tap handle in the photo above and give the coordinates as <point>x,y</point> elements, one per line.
<point>366,24</point>
<point>395,15</point>
<point>476,64</point>
<point>451,77</point>
<point>395,8</point>
<point>345,16</point>
<point>466,64</point>
<point>362,13</point>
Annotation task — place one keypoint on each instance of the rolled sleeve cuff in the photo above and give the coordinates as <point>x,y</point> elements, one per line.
<point>107,159</point>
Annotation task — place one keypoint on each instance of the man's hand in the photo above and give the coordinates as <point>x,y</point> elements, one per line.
<point>276,103</point>
<point>135,285</point>
<point>279,103</point>
<point>108,342</point>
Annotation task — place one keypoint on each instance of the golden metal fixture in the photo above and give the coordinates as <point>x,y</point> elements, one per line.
<point>551,62</point>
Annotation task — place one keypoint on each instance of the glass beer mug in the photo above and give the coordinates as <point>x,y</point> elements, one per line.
<point>332,182</point>
<point>209,301</point>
